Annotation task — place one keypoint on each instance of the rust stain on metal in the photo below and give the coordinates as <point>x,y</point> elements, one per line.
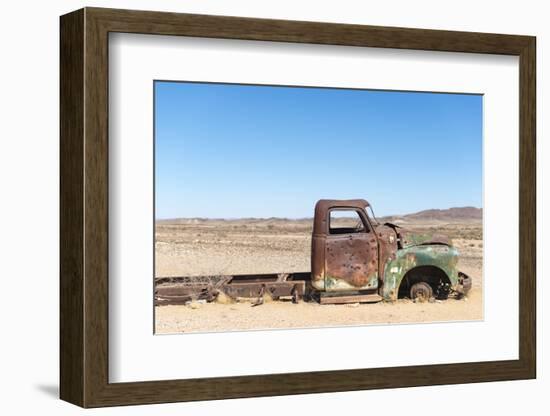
<point>351,259</point>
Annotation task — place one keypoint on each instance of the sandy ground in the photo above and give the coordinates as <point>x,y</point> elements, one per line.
<point>216,247</point>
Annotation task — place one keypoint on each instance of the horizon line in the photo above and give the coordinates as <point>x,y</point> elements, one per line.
<point>304,218</point>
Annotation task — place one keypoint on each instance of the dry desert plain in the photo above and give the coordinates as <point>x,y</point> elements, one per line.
<point>201,247</point>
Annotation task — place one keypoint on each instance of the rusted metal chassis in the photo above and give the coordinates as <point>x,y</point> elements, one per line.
<point>180,290</point>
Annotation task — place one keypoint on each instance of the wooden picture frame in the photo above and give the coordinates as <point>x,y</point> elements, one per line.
<point>84,207</point>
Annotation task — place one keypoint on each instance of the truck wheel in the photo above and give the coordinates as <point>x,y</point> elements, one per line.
<point>421,291</point>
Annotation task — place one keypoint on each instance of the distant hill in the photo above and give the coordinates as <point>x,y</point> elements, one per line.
<point>456,214</point>
<point>447,215</point>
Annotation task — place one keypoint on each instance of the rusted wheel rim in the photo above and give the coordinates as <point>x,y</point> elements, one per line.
<point>421,291</point>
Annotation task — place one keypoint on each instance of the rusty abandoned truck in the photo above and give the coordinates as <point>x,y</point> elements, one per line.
<point>354,258</point>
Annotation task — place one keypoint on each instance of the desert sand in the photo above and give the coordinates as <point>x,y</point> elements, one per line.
<point>199,247</point>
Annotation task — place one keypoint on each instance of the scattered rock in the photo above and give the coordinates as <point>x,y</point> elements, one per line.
<point>223,299</point>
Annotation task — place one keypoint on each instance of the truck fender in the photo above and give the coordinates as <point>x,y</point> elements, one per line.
<point>440,256</point>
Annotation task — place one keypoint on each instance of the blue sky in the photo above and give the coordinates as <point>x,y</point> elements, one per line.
<point>230,151</point>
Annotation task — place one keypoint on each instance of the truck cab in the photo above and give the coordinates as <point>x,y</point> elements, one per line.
<point>352,254</point>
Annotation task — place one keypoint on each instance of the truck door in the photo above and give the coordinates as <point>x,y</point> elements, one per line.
<point>351,251</point>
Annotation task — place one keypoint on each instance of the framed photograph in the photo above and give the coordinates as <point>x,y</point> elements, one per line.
<point>254,207</point>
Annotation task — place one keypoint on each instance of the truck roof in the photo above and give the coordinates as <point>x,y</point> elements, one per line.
<point>324,204</point>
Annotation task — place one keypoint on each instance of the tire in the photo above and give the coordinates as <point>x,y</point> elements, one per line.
<point>421,291</point>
